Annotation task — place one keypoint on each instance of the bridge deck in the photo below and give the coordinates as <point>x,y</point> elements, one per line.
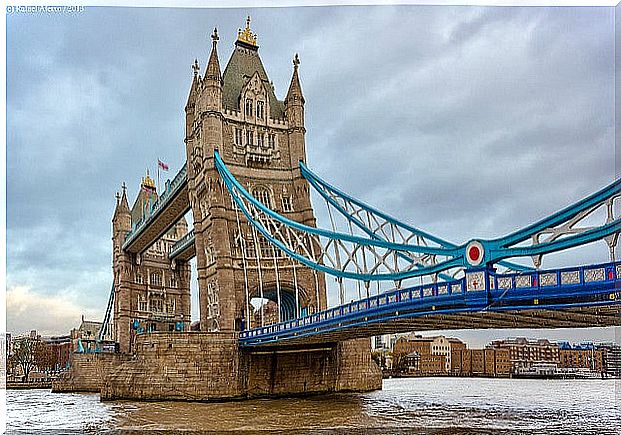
<point>184,249</point>
<point>577,297</point>
<point>166,212</point>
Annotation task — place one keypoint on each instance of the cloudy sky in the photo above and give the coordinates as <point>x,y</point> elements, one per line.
<point>464,121</point>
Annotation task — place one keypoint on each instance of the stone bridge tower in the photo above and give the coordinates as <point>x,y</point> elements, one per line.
<point>261,139</point>
<point>150,294</point>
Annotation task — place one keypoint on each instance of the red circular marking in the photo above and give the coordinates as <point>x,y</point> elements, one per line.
<point>474,253</point>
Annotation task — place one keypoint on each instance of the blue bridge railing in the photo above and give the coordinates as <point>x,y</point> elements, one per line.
<point>562,288</point>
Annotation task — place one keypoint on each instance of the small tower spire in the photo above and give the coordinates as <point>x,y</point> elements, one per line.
<point>194,87</point>
<point>122,206</point>
<point>295,90</point>
<point>213,66</point>
<point>195,67</point>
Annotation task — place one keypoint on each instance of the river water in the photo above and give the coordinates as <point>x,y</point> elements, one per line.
<point>414,405</point>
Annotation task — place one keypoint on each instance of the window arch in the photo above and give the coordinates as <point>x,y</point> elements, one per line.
<point>260,109</point>
<point>249,104</point>
<point>262,194</point>
<point>155,278</point>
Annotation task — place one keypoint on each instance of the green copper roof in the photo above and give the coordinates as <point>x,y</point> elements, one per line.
<point>244,62</point>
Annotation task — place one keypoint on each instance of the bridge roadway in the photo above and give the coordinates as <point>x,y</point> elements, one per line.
<point>576,297</point>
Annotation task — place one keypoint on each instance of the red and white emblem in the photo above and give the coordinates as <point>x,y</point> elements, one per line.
<point>474,253</point>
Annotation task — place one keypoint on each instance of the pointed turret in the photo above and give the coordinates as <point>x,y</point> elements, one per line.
<point>294,102</point>
<point>211,97</point>
<point>194,87</point>
<point>213,66</point>
<point>122,206</point>
<point>295,90</point>
<point>194,90</point>
<point>122,219</point>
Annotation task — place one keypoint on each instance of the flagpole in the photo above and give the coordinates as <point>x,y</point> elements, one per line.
<point>158,176</point>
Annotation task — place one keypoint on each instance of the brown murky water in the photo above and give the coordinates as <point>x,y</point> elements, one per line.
<point>425,405</point>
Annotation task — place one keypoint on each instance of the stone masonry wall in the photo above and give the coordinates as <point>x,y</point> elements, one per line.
<point>174,366</point>
<point>209,366</point>
<point>87,371</point>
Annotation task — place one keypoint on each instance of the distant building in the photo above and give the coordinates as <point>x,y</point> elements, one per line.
<point>481,362</point>
<point>612,358</point>
<point>524,353</point>
<point>61,348</point>
<point>583,355</point>
<point>432,354</point>
<point>411,362</point>
<point>384,342</point>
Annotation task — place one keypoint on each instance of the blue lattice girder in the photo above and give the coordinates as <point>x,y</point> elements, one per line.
<point>303,238</point>
<point>560,230</point>
<point>294,238</point>
<point>345,204</point>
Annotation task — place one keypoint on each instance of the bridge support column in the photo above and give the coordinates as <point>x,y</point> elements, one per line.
<point>211,366</point>
<point>333,367</point>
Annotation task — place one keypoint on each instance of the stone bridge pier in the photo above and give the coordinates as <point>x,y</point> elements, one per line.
<point>207,366</point>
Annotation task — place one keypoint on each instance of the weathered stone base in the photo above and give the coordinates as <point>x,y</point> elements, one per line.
<point>87,372</point>
<point>209,366</point>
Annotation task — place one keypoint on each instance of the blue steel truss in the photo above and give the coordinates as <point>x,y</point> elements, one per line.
<point>378,225</point>
<point>301,242</point>
<point>323,250</point>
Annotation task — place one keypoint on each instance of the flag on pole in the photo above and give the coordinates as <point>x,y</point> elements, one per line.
<point>163,166</point>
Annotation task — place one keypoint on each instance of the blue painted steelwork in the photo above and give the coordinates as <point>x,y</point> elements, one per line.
<point>493,250</point>
<point>594,285</point>
<point>235,189</point>
<point>329,193</point>
<point>322,186</point>
<point>172,189</point>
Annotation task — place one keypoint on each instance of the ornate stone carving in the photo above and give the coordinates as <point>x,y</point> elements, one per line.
<point>213,306</point>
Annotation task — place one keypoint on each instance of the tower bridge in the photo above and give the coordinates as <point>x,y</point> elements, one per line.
<point>255,238</point>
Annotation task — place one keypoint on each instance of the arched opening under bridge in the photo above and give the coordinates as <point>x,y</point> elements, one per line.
<point>266,310</point>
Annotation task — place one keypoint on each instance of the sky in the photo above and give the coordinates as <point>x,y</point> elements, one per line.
<point>464,121</point>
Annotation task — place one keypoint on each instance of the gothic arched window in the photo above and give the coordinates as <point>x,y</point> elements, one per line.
<point>262,194</point>
<point>260,109</point>
<point>249,104</point>
<point>155,279</point>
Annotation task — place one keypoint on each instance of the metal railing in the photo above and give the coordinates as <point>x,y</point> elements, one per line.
<point>531,285</point>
